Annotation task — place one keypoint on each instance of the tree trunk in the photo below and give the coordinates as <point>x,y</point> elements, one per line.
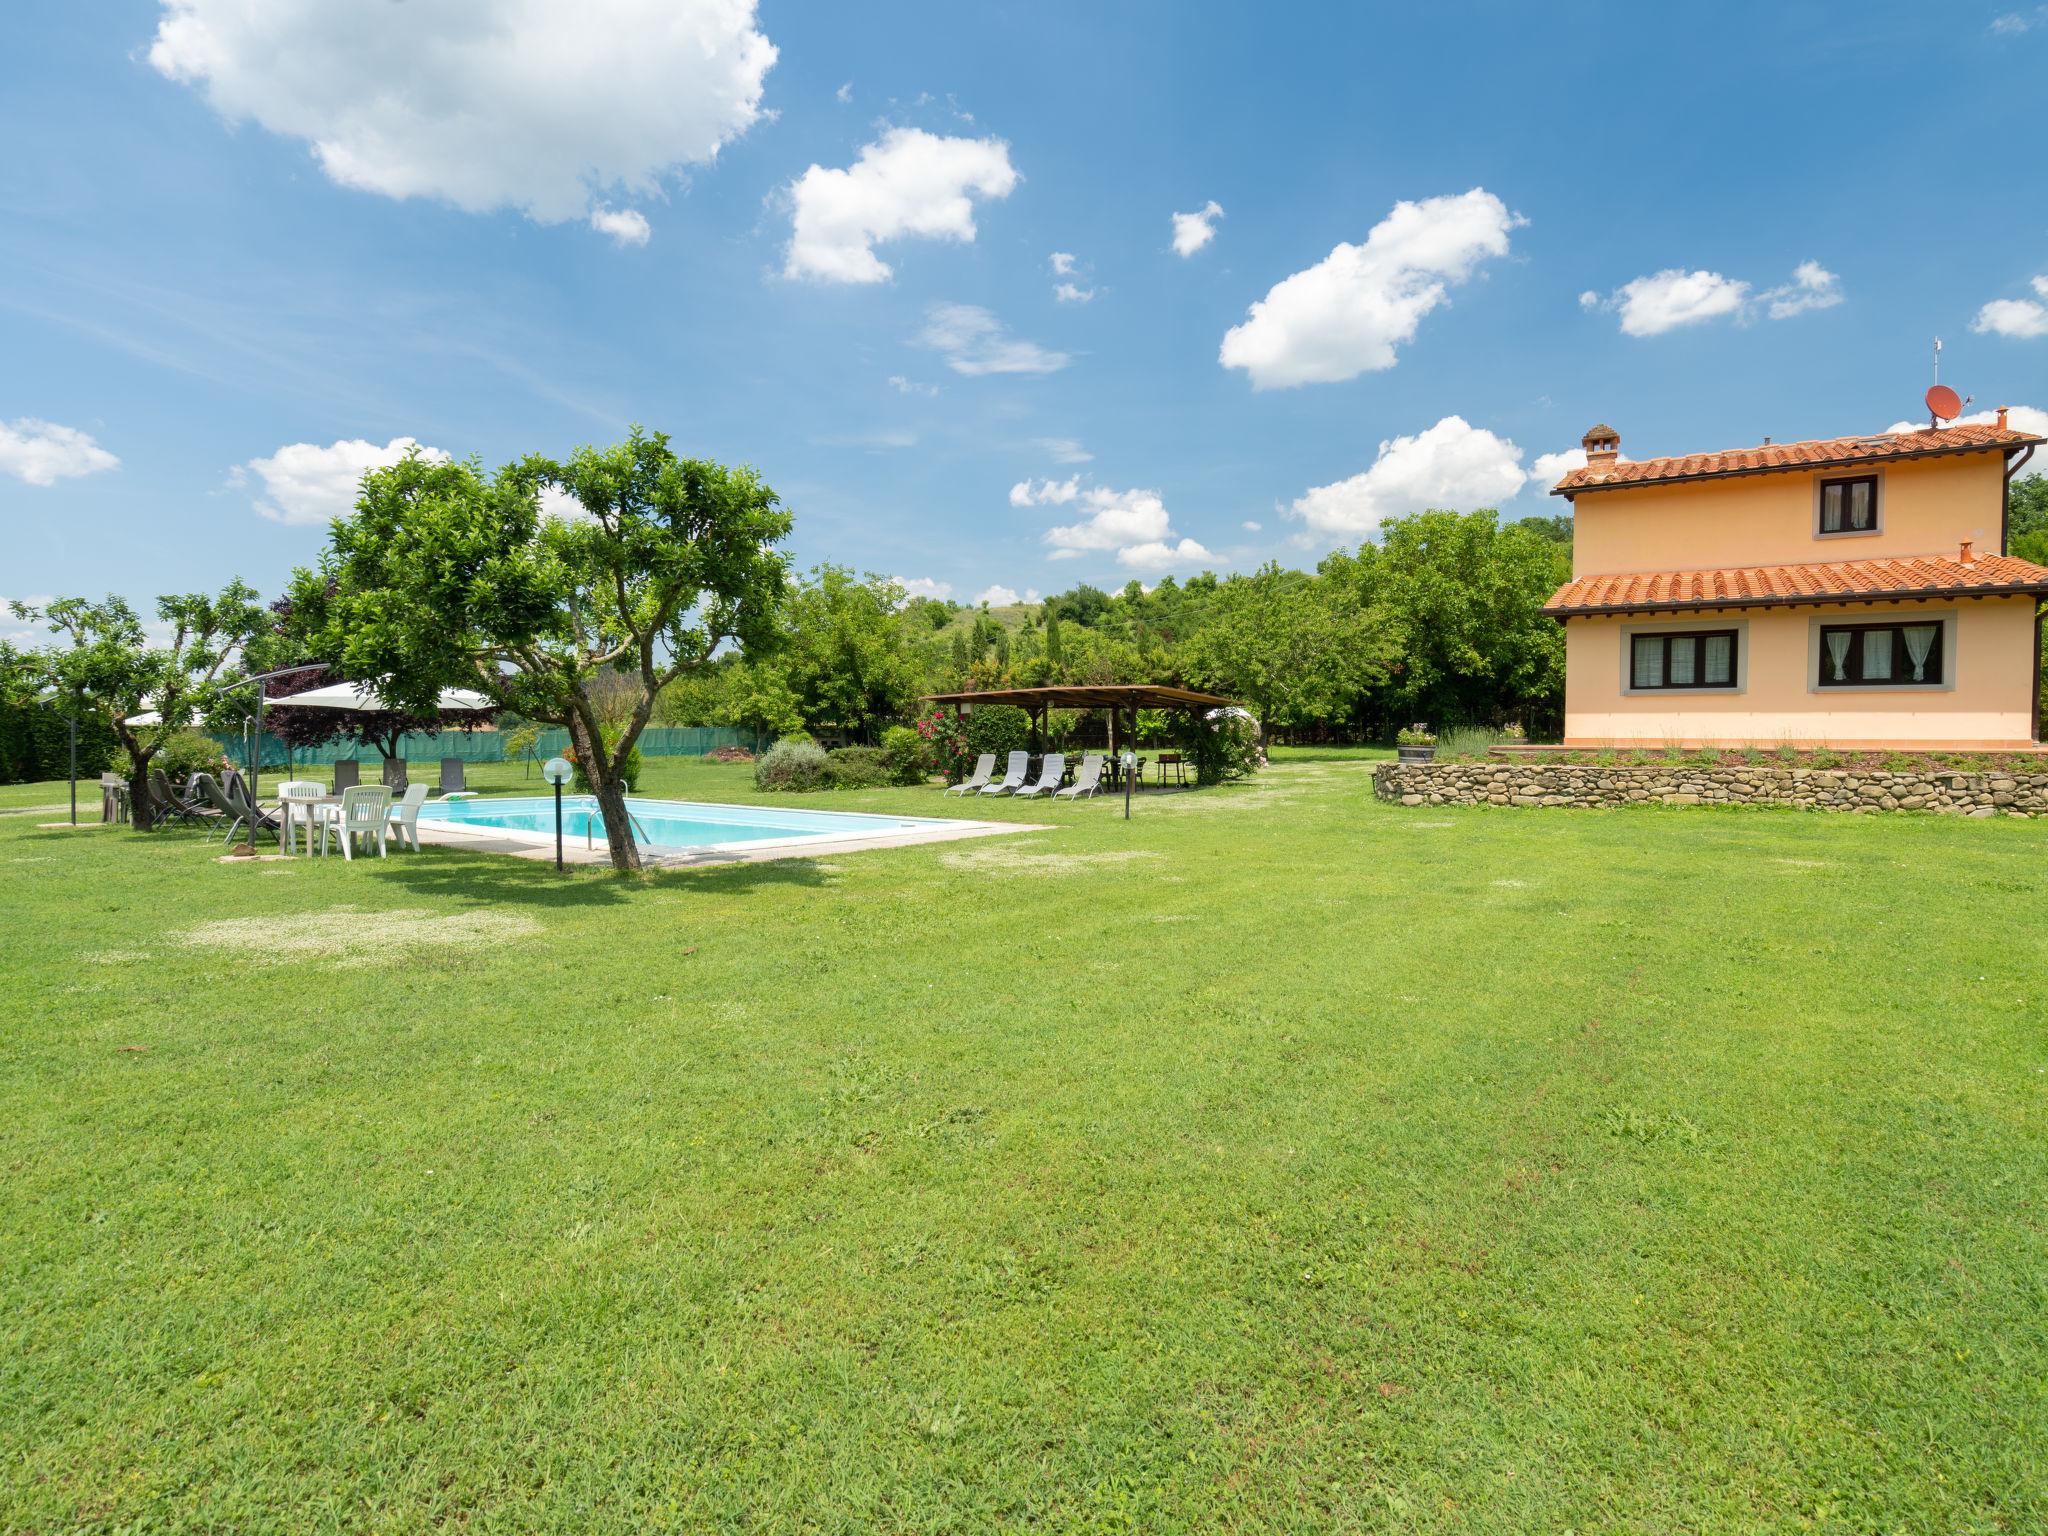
<point>610,790</point>
<point>138,797</point>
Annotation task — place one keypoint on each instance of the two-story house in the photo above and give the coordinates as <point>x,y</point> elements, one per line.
<point>1849,592</point>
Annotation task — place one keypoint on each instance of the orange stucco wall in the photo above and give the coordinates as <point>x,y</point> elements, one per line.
<point>1991,702</point>
<point>1928,507</point>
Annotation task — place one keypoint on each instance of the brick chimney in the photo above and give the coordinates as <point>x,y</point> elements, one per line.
<point>2001,418</point>
<point>1967,558</point>
<point>1603,447</point>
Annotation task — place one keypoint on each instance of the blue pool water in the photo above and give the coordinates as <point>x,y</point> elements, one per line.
<point>667,823</point>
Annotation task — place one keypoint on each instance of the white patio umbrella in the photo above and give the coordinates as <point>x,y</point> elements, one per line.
<point>147,717</point>
<point>362,699</point>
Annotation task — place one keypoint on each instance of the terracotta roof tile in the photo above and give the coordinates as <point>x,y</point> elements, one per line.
<point>1759,586</point>
<point>1778,457</point>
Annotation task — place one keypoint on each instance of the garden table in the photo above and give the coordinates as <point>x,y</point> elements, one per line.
<point>313,809</point>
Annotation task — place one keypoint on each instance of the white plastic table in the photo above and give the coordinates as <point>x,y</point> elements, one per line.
<point>313,809</point>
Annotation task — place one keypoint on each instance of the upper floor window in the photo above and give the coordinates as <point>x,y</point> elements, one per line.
<point>1849,506</point>
<point>1697,658</point>
<point>1882,655</point>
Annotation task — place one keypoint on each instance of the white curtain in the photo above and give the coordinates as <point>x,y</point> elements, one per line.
<point>1838,650</point>
<point>1649,661</point>
<point>1877,655</point>
<point>1717,669</point>
<point>1919,641</point>
<point>1683,648</point>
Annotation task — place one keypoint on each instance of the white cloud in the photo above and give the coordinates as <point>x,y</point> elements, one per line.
<point>304,483</point>
<point>1062,263</point>
<point>1047,493</point>
<point>1667,300</point>
<point>626,226</point>
<point>1192,231</point>
<point>524,104</point>
<point>905,386</point>
<point>42,452</point>
<point>1813,286</point>
<point>907,183</point>
<point>2011,24</point>
<point>555,503</point>
<point>1250,526</point>
<point>974,342</point>
<point>1453,464</point>
<point>1000,596</point>
<point>923,586</point>
<point>2020,319</point>
<point>1064,450</point>
<point>844,94</point>
<point>1346,314</point>
<point>1162,557</point>
<point>1116,520</point>
<point>1072,293</point>
<point>2021,418</point>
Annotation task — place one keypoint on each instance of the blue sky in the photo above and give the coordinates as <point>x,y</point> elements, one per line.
<point>232,250</point>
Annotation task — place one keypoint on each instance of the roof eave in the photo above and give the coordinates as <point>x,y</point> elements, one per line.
<point>1947,451</point>
<point>1804,600</point>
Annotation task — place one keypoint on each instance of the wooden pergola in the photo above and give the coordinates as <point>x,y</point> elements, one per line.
<point>1116,698</point>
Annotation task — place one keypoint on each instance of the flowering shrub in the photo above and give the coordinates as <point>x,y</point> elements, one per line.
<point>945,744</point>
<point>1417,735</point>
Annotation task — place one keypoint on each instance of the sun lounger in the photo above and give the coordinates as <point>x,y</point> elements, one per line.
<point>1050,772</point>
<point>394,775</point>
<point>348,773</point>
<point>1087,779</point>
<point>1013,776</point>
<point>166,804</point>
<point>984,770</point>
<point>451,776</point>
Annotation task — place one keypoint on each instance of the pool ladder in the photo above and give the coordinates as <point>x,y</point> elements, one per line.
<point>633,826</point>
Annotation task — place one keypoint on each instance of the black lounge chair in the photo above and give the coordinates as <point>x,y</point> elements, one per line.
<point>451,776</point>
<point>394,775</point>
<point>348,773</point>
<point>166,804</point>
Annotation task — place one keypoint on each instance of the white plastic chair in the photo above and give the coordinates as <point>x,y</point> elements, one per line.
<point>405,817</point>
<point>365,812</point>
<point>296,803</point>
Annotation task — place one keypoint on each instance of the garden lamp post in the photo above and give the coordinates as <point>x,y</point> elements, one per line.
<point>71,724</point>
<point>556,771</point>
<point>1130,767</point>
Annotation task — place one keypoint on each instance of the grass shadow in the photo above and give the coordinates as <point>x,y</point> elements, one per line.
<point>452,874</point>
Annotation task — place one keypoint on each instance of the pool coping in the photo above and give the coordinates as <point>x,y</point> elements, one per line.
<point>541,845</point>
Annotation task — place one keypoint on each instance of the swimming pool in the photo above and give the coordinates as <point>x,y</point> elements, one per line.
<point>668,825</point>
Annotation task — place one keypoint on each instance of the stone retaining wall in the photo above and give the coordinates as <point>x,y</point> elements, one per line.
<point>1816,789</point>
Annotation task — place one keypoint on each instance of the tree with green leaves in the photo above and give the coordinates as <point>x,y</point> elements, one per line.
<point>844,653</point>
<point>105,662</point>
<point>447,577</point>
<point>1278,641</point>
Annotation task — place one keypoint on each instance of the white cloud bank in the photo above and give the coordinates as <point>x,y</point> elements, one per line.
<point>1000,596</point>
<point>1452,464</point>
<point>626,226</point>
<point>1347,314</point>
<point>923,586</point>
<point>304,483</point>
<point>42,452</point>
<point>974,342</point>
<point>1133,524</point>
<point>1668,300</point>
<point>486,104</point>
<point>2017,319</point>
<point>908,183</point>
<point>2022,418</point>
<point>1192,231</point>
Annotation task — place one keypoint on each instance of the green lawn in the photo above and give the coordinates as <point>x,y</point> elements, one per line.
<point>1278,1160</point>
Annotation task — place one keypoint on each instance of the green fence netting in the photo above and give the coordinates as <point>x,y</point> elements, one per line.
<point>489,746</point>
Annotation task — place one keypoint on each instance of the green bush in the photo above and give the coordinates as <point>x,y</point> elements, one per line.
<point>793,763</point>
<point>1215,749</point>
<point>907,754</point>
<point>858,768</point>
<point>998,728</point>
<point>181,756</point>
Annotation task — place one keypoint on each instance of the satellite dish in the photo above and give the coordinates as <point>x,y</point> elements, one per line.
<point>1943,404</point>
